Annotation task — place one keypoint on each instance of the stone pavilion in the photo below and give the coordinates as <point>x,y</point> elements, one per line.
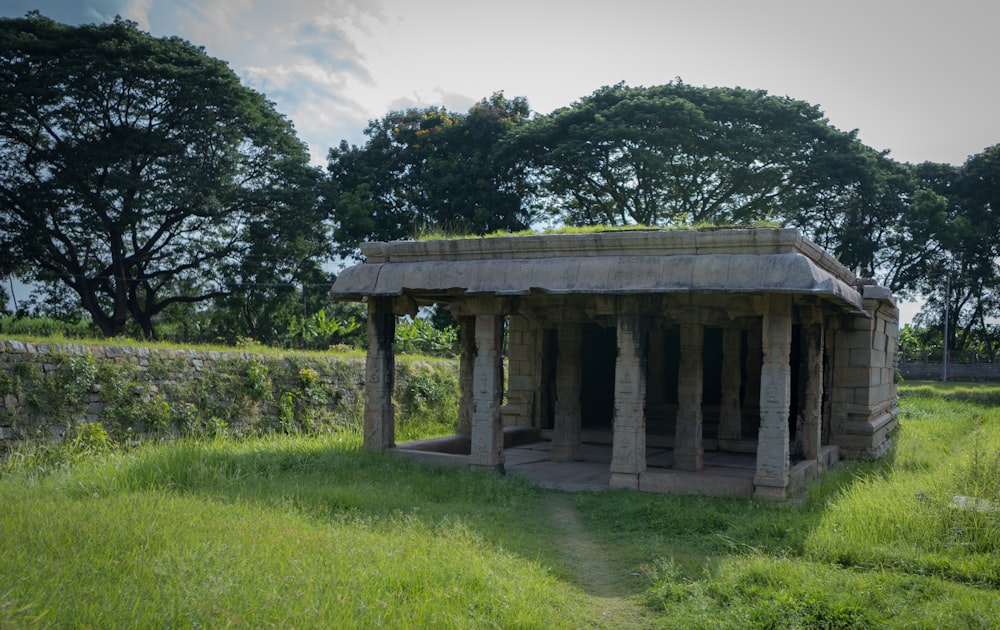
<point>670,350</point>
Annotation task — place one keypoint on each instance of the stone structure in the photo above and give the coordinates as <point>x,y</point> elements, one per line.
<point>742,341</point>
<point>47,390</point>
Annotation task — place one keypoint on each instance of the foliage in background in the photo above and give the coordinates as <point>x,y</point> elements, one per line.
<point>137,172</point>
<point>19,326</point>
<point>673,154</point>
<point>430,168</point>
<point>959,274</point>
<point>416,335</point>
<point>343,326</point>
<point>427,399</point>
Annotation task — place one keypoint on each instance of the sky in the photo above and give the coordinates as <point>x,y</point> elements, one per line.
<point>915,77</point>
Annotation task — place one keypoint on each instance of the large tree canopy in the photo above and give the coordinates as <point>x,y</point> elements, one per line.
<point>672,154</point>
<point>141,174</point>
<point>430,169</point>
<point>855,202</point>
<point>960,275</point>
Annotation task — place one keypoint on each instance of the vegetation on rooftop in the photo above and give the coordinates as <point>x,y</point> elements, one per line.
<point>436,235</point>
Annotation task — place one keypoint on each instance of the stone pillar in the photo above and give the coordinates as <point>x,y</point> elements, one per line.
<point>567,435</point>
<point>773,465</point>
<point>467,358</point>
<point>730,413</point>
<point>688,450</point>
<point>380,376</point>
<point>751,390</point>
<point>656,366</point>
<point>487,394</point>
<point>812,400</point>
<point>628,452</point>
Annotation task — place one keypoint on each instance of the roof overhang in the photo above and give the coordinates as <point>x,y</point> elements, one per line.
<point>647,262</point>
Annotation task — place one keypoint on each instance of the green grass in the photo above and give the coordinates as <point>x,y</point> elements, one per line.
<point>436,234</point>
<point>314,532</point>
<point>255,348</point>
<point>288,532</point>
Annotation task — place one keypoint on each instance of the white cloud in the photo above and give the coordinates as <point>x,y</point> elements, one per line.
<point>913,77</point>
<point>138,12</point>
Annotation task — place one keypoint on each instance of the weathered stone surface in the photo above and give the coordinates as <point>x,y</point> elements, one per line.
<point>730,414</point>
<point>487,429</point>
<point>688,450</point>
<point>775,397</point>
<point>32,400</point>
<point>727,261</point>
<point>761,288</point>
<point>380,370</point>
<point>567,434</point>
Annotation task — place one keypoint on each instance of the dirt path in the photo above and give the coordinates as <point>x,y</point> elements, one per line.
<point>610,586</point>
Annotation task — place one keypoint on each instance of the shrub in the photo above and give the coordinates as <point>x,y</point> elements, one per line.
<point>91,437</point>
<point>427,398</point>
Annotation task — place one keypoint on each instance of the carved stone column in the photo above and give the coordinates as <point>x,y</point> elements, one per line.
<point>812,401</point>
<point>628,453</point>
<point>688,450</point>
<point>567,435</point>
<point>773,465</point>
<point>380,376</point>
<point>487,393</point>
<point>730,413</point>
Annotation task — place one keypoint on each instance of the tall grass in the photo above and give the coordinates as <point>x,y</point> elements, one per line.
<point>286,532</point>
<point>937,509</point>
<point>293,531</point>
<point>910,541</point>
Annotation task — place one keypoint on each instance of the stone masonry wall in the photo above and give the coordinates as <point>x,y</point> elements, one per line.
<point>956,371</point>
<point>49,390</point>
<point>864,397</point>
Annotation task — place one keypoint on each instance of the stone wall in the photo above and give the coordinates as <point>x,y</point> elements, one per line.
<point>48,390</point>
<point>956,371</point>
<point>863,400</point>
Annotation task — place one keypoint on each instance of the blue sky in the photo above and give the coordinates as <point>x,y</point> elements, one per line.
<point>916,77</point>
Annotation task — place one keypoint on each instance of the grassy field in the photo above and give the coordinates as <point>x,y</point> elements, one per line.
<point>314,533</point>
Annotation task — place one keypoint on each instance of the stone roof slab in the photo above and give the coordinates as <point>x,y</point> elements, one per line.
<point>645,262</point>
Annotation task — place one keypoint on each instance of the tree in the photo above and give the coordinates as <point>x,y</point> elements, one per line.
<point>962,276</point>
<point>430,169</point>
<point>671,154</point>
<point>858,204</point>
<point>138,172</point>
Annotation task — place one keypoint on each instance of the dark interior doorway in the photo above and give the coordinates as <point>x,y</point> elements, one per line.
<point>711,364</point>
<point>597,396</point>
<point>796,368</point>
<point>671,364</point>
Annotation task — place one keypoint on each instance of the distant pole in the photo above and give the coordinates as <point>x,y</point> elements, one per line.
<point>10,277</point>
<point>947,298</point>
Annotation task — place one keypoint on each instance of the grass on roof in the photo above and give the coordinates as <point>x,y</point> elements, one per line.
<point>437,234</point>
